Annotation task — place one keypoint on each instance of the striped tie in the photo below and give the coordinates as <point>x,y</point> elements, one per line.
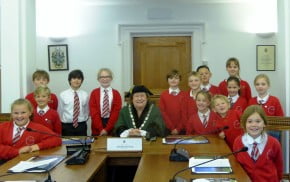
<point>204,120</point>
<point>231,102</point>
<point>106,109</point>
<point>41,112</point>
<point>17,135</point>
<point>76,111</point>
<point>255,152</point>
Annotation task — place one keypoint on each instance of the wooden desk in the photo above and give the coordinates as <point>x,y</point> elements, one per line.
<point>157,168</point>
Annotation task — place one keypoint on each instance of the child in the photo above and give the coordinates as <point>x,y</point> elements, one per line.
<point>171,103</point>
<point>204,120</point>
<point>105,104</point>
<point>43,114</point>
<point>233,68</point>
<point>15,139</point>
<point>236,101</point>
<point>73,106</point>
<point>227,117</point>
<point>263,161</point>
<point>41,78</point>
<point>194,84</point>
<point>205,75</point>
<point>270,104</point>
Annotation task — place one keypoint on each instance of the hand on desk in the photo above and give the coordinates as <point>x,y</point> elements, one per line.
<point>222,135</point>
<point>103,132</point>
<point>27,149</point>
<point>134,132</point>
<point>174,132</point>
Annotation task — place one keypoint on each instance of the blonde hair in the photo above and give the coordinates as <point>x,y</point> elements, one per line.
<point>193,73</point>
<point>206,94</point>
<point>262,76</point>
<point>106,70</point>
<point>23,102</point>
<point>251,110</point>
<point>40,90</point>
<point>221,97</point>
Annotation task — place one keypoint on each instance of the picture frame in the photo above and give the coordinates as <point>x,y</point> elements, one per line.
<point>266,57</point>
<point>58,57</point>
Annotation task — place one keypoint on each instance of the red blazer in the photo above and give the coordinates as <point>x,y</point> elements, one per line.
<point>272,107</point>
<point>195,126</point>
<point>268,167</point>
<point>95,111</point>
<point>240,105</point>
<point>171,109</point>
<point>50,119</point>
<point>214,90</point>
<point>245,90</point>
<point>232,120</point>
<point>53,103</point>
<point>189,108</point>
<point>9,151</point>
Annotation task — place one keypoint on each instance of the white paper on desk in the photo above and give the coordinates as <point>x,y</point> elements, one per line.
<point>216,163</point>
<point>22,166</point>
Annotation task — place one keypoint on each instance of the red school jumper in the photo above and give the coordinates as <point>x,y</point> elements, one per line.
<point>272,107</point>
<point>240,105</point>
<point>245,90</point>
<point>50,119</point>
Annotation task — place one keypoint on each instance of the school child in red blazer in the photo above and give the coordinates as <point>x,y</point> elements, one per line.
<point>15,139</point>
<point>43,114</point>
<point>171,104</point>
<point>190,103</point>
<point>263,160</point>
<point>233,68</point>
<point>236,101</point>
<point>204,120</point>
<point>205,76</point>
<point>41,78</point>
<point>105,104</point>
<point>227,117</point>
<point>269,103</point>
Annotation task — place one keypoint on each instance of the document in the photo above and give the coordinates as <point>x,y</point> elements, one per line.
<point>77,141</point>
<point>216,166</point>
<point>214,180</point>
<point>185,140</point>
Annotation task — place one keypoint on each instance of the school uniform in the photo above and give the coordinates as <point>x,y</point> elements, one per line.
<point>238,103</point>
<point>198,125</point>
<point>27,138</point>
<point>245,89</point>
<point>232,120</point>
<point>214,90</point>
<point>171,106</point>
<point>270,104</point>
<point>53,103</point>
<point>96,105</point>
<point>66,111</point>
<point>269,164</point>
<point>49,118</point>
<point>190,106</point>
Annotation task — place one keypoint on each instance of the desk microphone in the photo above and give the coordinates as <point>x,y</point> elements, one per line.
<point>182,154</point>
<point>179,179</point>
<point>79,153</point>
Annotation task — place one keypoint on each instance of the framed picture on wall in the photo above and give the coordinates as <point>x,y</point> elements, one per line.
<point>266,57</point>
<point>58,57</point>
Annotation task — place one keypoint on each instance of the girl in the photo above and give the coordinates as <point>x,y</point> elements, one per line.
<point>105,104</point>
<point>269,103</point>
<point>15,139</point>
<point>263,161</point>
<point>227,117</point>
<point>233,68</point>
<point>236,102</point>
<point>204,120</point>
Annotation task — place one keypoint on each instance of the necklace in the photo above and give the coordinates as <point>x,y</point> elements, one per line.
<point>145,120</point>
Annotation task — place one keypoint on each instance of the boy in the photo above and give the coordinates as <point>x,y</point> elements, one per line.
<point>41,78</point>
<point>205,76</point>
<point>73,106</point>
<point>43,114</point>
<point>171,102</point>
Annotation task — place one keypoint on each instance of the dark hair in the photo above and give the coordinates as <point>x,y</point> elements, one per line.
<point>233,78</point>
<point>40,74</point>
<point>76,74</point>
<point>173,73</point>
<point>202,66</point>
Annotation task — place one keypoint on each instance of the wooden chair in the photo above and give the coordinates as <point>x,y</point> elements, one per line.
<point>4,117</point>
<point>281,124</point>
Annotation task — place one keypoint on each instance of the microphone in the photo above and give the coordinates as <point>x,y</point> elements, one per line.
<point>79,153</point>
<point>174,179</point>
<point>182,154</point>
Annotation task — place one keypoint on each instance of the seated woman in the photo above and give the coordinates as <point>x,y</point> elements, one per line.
<point>140,116</point>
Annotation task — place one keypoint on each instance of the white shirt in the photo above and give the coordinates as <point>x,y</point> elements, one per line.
<point>45,109</point>
<point>207,87</point>
<point>66,105</point>
<point>15,127</point>
<point>201,116</point>
<point>110,94</point>
<point>234,98</point>
<point>176,90</point>
<point>261,142</point>
<point>264,100</point>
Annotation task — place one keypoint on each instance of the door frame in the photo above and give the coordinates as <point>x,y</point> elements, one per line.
<point>126,33</point>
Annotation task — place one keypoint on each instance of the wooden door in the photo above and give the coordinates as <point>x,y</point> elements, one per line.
<point>154,57</point>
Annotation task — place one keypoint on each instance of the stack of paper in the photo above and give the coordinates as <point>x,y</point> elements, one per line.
<point>187,140</point>
<point>215,166</point>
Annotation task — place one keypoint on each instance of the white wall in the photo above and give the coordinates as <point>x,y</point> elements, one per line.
<point>95,45</point>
